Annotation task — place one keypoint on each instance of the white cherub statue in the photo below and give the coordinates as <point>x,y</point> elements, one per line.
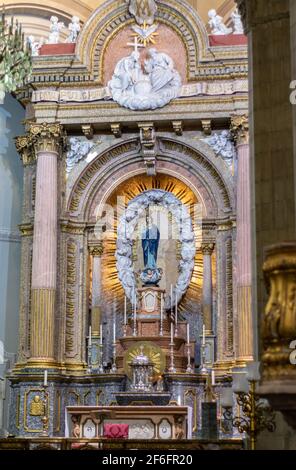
<point>237,22</point>
<point>55,28</point>
<point>34,45</point>
<point>74,29</point>
<point>216,24</point>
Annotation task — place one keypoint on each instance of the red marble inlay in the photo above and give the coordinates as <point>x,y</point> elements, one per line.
<point>228,40</point>
<point>57,49</point>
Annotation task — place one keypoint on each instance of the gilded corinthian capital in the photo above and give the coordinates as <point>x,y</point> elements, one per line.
<point>96,250</point>
<point>239,129</point>
<point>46,137</point>
<point>40,138</point>
<point>24,147</point>
<point>207,248</point>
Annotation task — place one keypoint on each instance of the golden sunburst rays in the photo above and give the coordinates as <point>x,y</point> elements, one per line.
<point>151,350</point>
<point>119,199</point>
<point>146,34</point>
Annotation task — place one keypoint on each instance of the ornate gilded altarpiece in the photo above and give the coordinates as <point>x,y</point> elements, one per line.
<point>109,152</point>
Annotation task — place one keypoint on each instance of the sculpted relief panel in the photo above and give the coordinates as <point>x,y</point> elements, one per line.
<point>151,88</point>
<point>164,39</point>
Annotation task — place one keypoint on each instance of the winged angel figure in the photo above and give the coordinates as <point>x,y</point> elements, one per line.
<point>143,10</point>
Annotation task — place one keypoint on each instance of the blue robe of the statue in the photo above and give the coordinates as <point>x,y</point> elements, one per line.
<point>150,243</point>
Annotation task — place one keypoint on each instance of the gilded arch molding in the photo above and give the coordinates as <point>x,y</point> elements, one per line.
<point>194,164</point>
<point>108,19</point>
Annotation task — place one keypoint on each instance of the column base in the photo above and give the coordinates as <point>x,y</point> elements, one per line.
<point>243,361</point>
<point>43,362</point>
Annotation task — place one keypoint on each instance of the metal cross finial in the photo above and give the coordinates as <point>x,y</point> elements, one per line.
<point>135,44</point>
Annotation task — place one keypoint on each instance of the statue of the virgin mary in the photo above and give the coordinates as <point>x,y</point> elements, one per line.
<point>150,243</point>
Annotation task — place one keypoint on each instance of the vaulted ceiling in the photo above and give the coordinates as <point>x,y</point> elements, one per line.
<point>34,15</point>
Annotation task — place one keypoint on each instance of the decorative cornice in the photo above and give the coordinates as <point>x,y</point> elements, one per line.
<point>73,227</point>
<point>239,129</point>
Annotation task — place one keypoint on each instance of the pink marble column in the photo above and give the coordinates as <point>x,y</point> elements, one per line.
<point>207,287</point>
<point>243,266</point>
<point>96,252</point>
<point>44,263</point>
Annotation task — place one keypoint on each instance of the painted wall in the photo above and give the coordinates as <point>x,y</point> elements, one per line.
<point>11,177</point>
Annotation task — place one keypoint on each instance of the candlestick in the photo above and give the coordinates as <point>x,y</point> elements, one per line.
<point>89,336</point>
<point>213,378</point>
<point>161,315</point>
<point>89,358</point>
<point>45,406</point>
<point>45,414</point>
<point>203,369</point>
<point>124,317</point>
<point>114,368</point>
<point>172,368</point>
<point>101,368</point>
<point>135,314</point>
<point>176,314</point>
<point>189,369</point>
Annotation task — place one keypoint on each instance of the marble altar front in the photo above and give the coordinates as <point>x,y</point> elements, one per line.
<point>152,422</point>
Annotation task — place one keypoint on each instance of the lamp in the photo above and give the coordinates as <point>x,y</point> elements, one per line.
<point>226,397</point>
<point>226,402</point>
<point>240,382</point>
<point>257,416</point>
<point>253,372</point>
